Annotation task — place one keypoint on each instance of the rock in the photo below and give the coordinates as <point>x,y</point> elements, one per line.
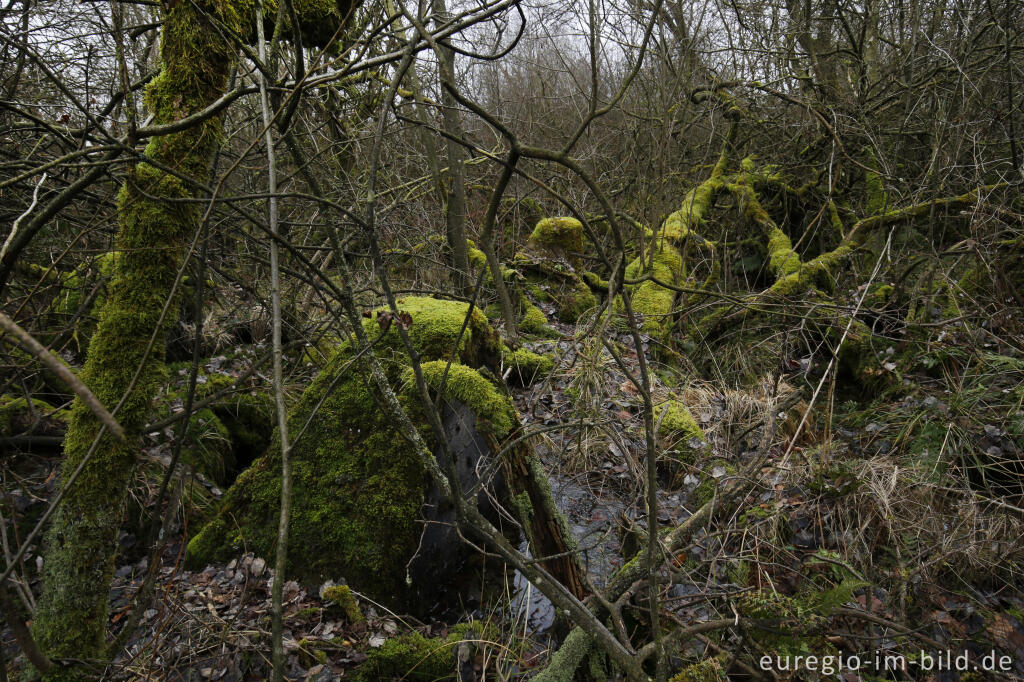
<point>359,487</point>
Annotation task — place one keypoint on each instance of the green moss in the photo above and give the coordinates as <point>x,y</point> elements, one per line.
<point>677,421</point>
<point>782,259</point>
<point>679,226</point>
<point>527,366</point>
<point>563,236</point>
<point>708,670</point>
<point>209,448</point>
<point>876,197</point>
<point>534,320</point>
<point>477,259</point>
<point>308,613</point>
<point>358,485</point>
<point>595,282</point>
<point>709,485</point>
<point>18,414</point>
<point>414,657</point>
<point>470,387</point>
<point>343,597</point>
<point>436,333</point>
<point>76,287</point>
<point>652,300</point>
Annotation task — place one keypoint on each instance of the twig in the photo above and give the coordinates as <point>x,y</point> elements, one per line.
<point>37,349</point>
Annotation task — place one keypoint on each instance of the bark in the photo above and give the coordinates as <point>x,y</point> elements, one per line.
<point>455,216</point>
<point>126,353</point>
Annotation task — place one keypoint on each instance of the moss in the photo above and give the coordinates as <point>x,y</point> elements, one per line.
<point>555,281</point>
<point>575,301</point>
<point>308,613</point>
<point>782,259</point>
<point>18,414</point>
<point>436,333</point>
<point>469,386</point>
<point>527,366</point>
<point>76,287</point>
<point>874,189</point>
<point>249,418</point>
<point>477,259</point>
<point>708,670</point>
<point>209,448</point>
<point>709,485</point>
<point>343,597</point>
<point>534,320</point>
<point>595,282</point>
<point>679,226</point>
<point>358,485</point>
<point>414,657</point>
<point>357,492</point>
<point>562,236</point>
<point>677,421</point>
<point>568,658</point>
<point>652,300</point>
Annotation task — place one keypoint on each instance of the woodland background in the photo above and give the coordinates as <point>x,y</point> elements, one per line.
<point>752,269</point>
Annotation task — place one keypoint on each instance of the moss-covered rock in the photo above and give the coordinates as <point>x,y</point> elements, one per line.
<point>682,439</point>
<point>436,331</point>
<point>19,414</point>
<point>358,485</point>
<point>527,366</point>
<point>556,281</point>
<point>414,657</point>
<point>534,320</point>
<point>560,237</point>
<point>676,423</point>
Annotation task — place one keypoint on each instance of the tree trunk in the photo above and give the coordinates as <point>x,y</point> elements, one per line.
<point>455,214</point>
<point>125,359</point>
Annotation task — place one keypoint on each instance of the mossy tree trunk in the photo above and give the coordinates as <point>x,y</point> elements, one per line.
<point>125,359</point>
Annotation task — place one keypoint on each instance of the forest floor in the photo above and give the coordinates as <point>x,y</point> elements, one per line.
<point>214,624</point>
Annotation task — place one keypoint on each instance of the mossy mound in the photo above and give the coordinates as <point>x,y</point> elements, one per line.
<point>682,438</point>
<point>555,281</point>
<point>414,657</point>
<point>358,485</point>
<point>559,236</point>
<point>21,415</point>
<point>527,366</point>
<point>436,331</point>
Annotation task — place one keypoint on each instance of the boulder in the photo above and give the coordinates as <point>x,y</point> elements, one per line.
<point>362,503</point>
